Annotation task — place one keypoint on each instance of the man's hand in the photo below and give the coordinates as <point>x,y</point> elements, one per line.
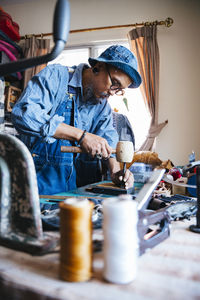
<point>96,145</point>
<point>91,143</point>
<point>118,178</point>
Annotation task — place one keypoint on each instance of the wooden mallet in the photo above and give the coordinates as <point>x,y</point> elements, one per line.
<point>124,152</point>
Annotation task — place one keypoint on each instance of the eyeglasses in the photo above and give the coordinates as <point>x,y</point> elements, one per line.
<point>115,86</point>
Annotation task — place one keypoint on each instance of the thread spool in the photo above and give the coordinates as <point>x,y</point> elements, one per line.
<point>76,240</point>
<point>124,151</point>
<point>121,246</point>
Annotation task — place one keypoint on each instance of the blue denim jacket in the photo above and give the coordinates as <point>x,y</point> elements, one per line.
<point>34,113</point>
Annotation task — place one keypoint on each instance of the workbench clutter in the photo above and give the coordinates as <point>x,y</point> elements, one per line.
<point>125,223</point>
<point>24,232</point>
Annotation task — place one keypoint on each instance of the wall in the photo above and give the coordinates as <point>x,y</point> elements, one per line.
<point>179,55</point>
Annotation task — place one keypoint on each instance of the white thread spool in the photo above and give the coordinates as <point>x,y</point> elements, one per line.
<point>120,239</point>
<point>124,151</point>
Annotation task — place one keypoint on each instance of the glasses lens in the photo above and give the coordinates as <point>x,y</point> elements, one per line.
<point>115,86</point>
<point>119,92</point>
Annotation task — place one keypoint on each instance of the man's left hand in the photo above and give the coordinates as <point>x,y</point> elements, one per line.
<point>118,178</point>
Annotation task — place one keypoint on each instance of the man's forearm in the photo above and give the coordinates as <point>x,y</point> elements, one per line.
<point>67,132</point>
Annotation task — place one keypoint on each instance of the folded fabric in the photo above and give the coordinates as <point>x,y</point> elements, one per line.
<point>10,47</point>
<point>11,57</point>
<point>8,26</point>
<point>5,37</point>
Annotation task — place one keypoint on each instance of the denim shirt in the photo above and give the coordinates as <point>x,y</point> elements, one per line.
<point>34,115</point>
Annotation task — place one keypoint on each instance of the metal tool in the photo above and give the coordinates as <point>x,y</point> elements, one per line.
<point>124,150</point>
<point>160,218</point>
<point>191,166</point>
<point>124,153</point>
<point>154,224</point>
<point>20,221</point>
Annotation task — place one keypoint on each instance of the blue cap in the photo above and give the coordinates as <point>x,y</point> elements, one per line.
<point>121,58</point>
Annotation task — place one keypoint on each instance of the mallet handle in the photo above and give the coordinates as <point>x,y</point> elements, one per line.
<point>73,149</point>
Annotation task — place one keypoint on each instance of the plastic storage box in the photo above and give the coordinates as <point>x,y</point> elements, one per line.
<point>141,172</point>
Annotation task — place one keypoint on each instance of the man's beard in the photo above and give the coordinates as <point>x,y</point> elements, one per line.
<point>89,96</point>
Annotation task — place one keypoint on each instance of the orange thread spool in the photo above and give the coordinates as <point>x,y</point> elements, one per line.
<point>76,240</point>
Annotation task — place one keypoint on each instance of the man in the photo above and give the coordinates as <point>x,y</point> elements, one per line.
<point>68,106</point>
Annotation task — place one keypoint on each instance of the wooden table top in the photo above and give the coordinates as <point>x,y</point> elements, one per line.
<point>171,270</point>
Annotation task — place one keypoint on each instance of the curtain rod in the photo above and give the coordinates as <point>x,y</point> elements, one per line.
<point>168,22</point>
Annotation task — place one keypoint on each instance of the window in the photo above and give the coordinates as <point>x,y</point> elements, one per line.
<point>130,104</point>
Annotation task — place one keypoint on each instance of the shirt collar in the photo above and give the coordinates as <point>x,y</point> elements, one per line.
<point>76,80</point>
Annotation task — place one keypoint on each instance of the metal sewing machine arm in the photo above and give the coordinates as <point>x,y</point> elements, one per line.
<point>61,27</point>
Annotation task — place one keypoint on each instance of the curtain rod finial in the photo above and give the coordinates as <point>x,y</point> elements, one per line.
<point>169,22</point>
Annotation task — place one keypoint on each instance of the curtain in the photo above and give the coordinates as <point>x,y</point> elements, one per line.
<point>34,47</point>
<point>143,42</point>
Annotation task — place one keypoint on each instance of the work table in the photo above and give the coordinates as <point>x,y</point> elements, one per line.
<point>171,270</point>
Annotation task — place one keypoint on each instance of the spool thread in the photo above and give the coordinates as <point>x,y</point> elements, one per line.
<point>75,240</point>
<point>121,246</point>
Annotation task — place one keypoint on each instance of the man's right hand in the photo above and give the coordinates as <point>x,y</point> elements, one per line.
<point>96,145</point>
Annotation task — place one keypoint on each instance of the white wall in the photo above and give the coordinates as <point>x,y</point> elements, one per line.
<point>179,55</point>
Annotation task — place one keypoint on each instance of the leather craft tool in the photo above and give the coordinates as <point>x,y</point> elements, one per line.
<point>124,154</point>
<point>121,151</point>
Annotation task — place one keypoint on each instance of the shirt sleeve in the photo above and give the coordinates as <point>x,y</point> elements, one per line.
<point>34,113</point>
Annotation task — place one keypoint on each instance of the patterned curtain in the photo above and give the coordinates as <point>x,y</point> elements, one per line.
<point>34,47</point>
<point>143,42</point>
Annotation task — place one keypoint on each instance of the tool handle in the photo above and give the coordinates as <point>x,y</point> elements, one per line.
<point>73,149</point>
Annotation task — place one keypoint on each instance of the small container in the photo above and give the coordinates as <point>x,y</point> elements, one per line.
<point>141,172</point>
